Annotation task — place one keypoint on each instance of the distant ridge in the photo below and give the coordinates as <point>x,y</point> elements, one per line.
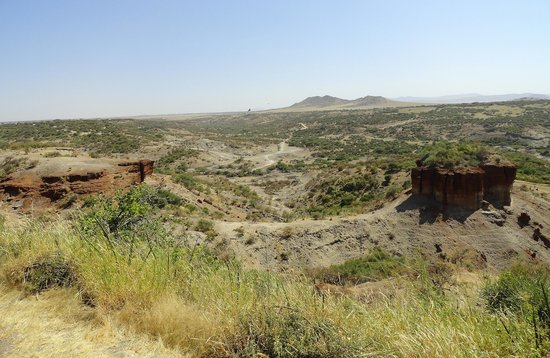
<point>329,102</point>
<point>370,100</point>
<point>318,101</point>
<point>474,97</point>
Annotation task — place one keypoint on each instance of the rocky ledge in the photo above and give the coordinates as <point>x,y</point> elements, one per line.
<point>60,181</point>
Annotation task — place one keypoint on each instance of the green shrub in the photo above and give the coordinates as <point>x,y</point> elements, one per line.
<point>518,288</point>
<point>529,167</point>
<point>188,181</point>
<point>523,290</point>
<point>340,192</point>
<point>283,332</point>
<point>161,198</point>
<point>376,265</point>
<point>123,224</point>
<point>52,154</point>
<point>450,155</point>
<point>393,191</point>
<point>204,226</point>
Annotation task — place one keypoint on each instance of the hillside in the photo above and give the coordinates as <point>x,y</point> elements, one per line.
<point>326,102</point>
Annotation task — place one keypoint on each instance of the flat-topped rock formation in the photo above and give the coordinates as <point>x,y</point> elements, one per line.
<point>465,187</point>
<point>58,178</point>
<point>497,183</point>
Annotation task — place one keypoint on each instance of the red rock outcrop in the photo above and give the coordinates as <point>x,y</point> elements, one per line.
<point>58,179</point>
<point>465,187</point>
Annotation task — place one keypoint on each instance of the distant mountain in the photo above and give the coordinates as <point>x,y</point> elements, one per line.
<point>330,102</point>
<point>318,101</point>
<point>474,97</point>
<point>369,101</point>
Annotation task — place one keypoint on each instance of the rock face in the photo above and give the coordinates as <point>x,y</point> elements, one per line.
<point>497,183</point>
<point>465,187</point>
<point>41,186</point>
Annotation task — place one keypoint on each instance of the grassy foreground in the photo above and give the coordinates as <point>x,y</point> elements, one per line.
<point>207,307</point>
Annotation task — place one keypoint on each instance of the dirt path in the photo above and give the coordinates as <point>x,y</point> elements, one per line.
<point>55,324</point>
<point>283,149</point>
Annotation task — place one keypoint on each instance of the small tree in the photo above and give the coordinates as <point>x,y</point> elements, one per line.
<point>123,224</point>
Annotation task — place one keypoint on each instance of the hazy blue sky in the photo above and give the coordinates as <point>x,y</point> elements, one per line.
<point>78,58</point>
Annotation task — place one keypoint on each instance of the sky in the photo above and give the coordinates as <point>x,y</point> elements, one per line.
<point>96,58</point>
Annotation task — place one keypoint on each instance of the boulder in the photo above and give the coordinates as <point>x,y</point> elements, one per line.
<point>523,219</point>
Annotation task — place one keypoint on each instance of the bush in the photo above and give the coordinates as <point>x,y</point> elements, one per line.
<point>374,266</point>
<point>10,165</point>
<point>530,168</point>
<point>393,191</point>
<point>525,291</point>
<point>207,227</point>
<point>450,155</point>
<point>188,181</point>
<point>518,288</point>
<point>52,154</point>
<point>47,272</point>
<point>283,332</point>
<point>161,198</point>
<point>204,225</point>
<point>123,224</point>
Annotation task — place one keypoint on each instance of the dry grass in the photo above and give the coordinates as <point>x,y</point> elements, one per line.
<point>205,307</point>
<point>56,324</point>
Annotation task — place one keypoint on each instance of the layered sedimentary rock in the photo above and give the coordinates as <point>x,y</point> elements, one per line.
<point>497,183</point>
<point>40,186</point>
<point>465,187</point>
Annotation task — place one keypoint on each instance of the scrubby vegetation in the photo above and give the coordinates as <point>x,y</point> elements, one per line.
<point>11,164</point>
<point>530,168</point>
<point>452,155</point>
<point>206,306</point>
<point>376,265</point>
<point>524,292</point>
<point>351,189</point>
<point>99,137</point>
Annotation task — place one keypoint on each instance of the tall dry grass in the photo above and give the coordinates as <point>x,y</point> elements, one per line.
<point>207,307</point>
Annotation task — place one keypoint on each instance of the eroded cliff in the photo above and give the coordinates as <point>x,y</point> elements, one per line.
<point>465,187</point>
<point>43,185</point>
